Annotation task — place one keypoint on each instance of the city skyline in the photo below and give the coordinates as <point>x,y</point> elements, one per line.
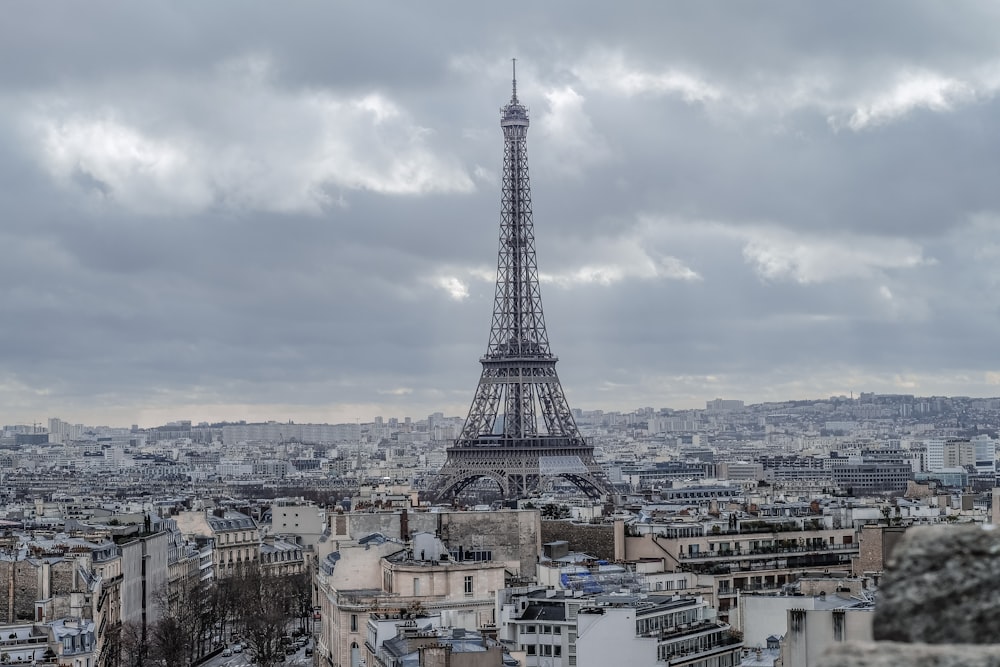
<point>717,406</point>
<point>290,212</point>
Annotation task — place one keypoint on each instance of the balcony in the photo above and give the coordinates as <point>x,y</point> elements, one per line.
<point>692,629</point>
<point>694,657</point>
<point>807,562</point>
<point>23,643</point>
<point>731,591</point>
<point>766,553</point>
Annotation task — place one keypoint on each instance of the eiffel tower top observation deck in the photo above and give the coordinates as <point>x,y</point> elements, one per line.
<point>520,429</point>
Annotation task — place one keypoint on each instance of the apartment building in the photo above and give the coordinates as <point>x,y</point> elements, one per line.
<point>235,537</point>
<point>300,521</point>
<point>539,624</point>
<point>675,631</point>
<point>748,555</point>
<point>872,477</point>
<point>76,592</point>
<point>377,575</point>
<point>281,557</point>
<point>414,646</point>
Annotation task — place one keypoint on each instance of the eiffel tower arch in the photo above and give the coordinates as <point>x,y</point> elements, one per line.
<point>519,429</point>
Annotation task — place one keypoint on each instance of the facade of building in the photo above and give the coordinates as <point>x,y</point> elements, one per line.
<point>416,646</point>
<point>77,592</point>
<point>235,537</point>
<point>539,625</point>
<point>281,557</point>
<point>986,453</point>
<point>959,453</point>
<point>744,559</point>
<point>674,631</point>
<point>812,632</point>
<point>300,521</point>
<point>144,569</point>
<point>511,537</point>
<point>380,576</point>
<point>872,478</point>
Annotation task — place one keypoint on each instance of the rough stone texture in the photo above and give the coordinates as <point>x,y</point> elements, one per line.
<point>61,577</point>
<point>18,590</point>
<point>876,546</point>
<point>514,536</point>
<point>894,654</point>
<point>596,540</point>
<point>941,586</point>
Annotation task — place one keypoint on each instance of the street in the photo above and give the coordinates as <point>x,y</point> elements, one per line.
<point>298,659</point>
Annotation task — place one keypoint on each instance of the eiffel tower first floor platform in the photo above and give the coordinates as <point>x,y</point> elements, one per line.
<point>520,467</point>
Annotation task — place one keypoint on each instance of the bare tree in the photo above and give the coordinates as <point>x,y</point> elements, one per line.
<point>169,643</point>
<point>300,597</point>
<point>264,607</point>
<point>185,631</point>
<point>126,646</point>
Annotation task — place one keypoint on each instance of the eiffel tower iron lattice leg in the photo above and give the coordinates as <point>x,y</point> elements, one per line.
<point>520,430</point>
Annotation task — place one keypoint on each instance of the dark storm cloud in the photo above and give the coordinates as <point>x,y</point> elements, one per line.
<point>239,210</point>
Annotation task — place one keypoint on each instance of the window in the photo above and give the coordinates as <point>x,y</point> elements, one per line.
<point>468,585</point>
<point>354,622</point>
<point>531,649</point>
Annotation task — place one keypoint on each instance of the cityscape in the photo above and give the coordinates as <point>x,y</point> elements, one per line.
<point>242,295</point>
<point>717,523</point>
<point>527,533</point>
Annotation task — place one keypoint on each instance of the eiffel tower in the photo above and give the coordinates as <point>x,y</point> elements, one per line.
<point>520,431</point>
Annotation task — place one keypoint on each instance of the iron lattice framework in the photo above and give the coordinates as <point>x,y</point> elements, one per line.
<point>520,429</point>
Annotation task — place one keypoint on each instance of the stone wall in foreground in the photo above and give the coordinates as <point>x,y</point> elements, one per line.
<point>938,603</point>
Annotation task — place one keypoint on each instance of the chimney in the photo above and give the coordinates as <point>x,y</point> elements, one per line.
<point>404,526</point>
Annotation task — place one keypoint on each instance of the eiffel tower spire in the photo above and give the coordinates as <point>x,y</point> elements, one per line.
<point>519,428</point>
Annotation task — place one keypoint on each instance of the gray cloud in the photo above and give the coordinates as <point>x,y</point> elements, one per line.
<point>245,211</point>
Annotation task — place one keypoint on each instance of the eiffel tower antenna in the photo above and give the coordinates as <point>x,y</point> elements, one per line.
<point>520,429</point>
<point>513,67</point>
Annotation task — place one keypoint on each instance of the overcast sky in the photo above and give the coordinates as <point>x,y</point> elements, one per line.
<point>248,210</point>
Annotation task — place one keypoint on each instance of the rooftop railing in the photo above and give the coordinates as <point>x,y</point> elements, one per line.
<point>760,552</point>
